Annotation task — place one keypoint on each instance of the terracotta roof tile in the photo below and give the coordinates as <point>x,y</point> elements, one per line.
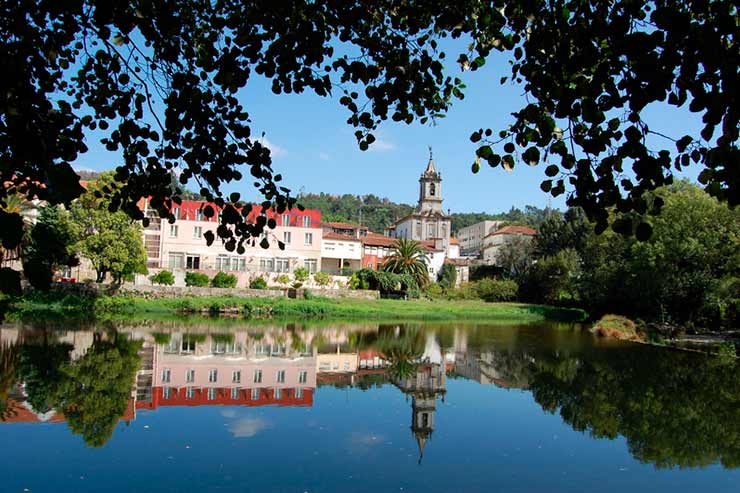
<point>338,236</point>
<point>515,230</point>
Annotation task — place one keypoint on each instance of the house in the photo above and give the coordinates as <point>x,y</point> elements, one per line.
<point>493,242</point>
<point>471,237</point>
<point>340,252</point>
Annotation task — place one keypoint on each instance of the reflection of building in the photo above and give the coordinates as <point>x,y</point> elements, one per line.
<point>232,369</point>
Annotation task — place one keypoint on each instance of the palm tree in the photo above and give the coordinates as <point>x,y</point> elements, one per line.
<point>408,257</point>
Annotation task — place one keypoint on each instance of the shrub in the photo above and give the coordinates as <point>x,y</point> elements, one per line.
<point>164,277</point>
<point>259,283</point>
<point>196,279</point>
<point>322,278</point>
<point>307,294</point>
<point>434,290</point>
<point>283,279</point>
<point>447,276</point>
<point>301,274</point>
<point>297,285</point>
<point>616,326</point>
<point>495,289</point>
<point>223,280</point>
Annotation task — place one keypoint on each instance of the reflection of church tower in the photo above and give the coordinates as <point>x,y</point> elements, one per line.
<point>425,385</point>
<point>430,188</point>
<point>422,420</point>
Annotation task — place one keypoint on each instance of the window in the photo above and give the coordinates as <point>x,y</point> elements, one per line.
<point>166,375</point>
<point>282,265</point>
<point>167,393</point>
<point>190,393</point>
<point>238,263</point>
<point>299,393</point>
<point>267,265</point>
<point>310,265</point>
<point>190,376</point>
<point>308,239</point>
<point>225,347</point>
<point>236,377</point>
<point>188,345</point>
<point>257,376</point>
<point>278,394</point>
<point>176,213</point>
<point>286,219</point>
<point>198,214</point>
<point>173,230</point>
<point>198,232</point>
<point>212,375</point>
<point>192,262</point>
<point>302,376</point>
<point>177,261</point>
<point>432,189</point>
<point>255,394</point>
<point>306,221</point>
<point>211,394</point>
<point>418,228</point>
<point>222,262</point>
<point>286,237</point>
<point>234,394</point>
<point>281,376</point>
<point>430,231</point>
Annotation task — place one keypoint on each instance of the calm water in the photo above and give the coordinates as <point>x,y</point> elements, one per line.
<point>212,406</point>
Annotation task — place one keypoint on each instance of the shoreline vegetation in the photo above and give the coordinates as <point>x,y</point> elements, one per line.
<point>40,305</point>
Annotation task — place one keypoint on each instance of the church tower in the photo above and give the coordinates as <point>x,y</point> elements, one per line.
<point>430,188</point>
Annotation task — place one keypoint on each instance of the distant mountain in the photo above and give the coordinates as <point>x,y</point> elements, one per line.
<point>379,213</point>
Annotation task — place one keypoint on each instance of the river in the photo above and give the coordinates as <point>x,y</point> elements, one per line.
<point>224,405</point>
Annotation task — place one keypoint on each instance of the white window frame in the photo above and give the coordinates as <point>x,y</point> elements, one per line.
<point>306,221</point>
<point>197,232</point>
<point>213,375</point>
<point>190,393</point>
<point>286,237</point>
<point>191,261</point>
<point>308,239</point>
<point>236,376</point>
<point>302,376</point>
<point>278,394</point>
<point>211,394</point>
<point>255,394</point>
<point>199,215</point>
<point>166,375</point>
<point>280,377</point>
<point>285,221</point>
<point>235,393</point>
<point>190,375</point>
<point>311,264</point>
<point>173,230</point>
<point>257,376</point>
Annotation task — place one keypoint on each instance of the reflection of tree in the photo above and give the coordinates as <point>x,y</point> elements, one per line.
<point>8,373</point>
<point>40,369</point>
<point>674,409</point>
<point>401,350</point>
<point>98,386</point>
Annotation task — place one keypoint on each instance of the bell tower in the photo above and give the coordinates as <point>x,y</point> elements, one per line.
<point>430,188</point>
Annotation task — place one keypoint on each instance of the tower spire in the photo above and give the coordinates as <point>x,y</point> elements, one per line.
<point>430,165</point>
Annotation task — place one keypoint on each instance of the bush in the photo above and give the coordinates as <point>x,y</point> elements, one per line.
<point>283,279</point>
<point>434,290</point>
<point>164,277</point>
<point>196,279</point>
<point>322,278</point>
<point>301,274</point>
<point>447,276</point>
<point>496,289</point>
<point>616,326</point>
<point>307,294</point>
<point>223,280</point>
<point>259,283</point>
<point>385,282</point>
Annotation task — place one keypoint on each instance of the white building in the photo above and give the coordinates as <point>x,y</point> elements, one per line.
<point>493,242</point>
<point>471,237</point>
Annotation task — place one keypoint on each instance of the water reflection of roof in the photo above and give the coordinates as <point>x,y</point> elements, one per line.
<point>21,412</point>
<point>224,397</point>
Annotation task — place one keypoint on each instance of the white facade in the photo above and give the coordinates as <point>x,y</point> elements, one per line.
<point>471,237</point>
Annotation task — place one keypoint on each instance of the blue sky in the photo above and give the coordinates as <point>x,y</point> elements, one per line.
<point>315,150</point>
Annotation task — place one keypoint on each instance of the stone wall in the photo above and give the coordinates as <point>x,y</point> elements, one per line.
<point>158,291</point>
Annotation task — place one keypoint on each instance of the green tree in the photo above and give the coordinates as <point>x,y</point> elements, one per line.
<point>98,386</point>
<point>49,248</point>
<point>322,278</point>
<point>110,240</point>
<point>40,368</point>
<point>515,257</point>
<point>408,258</point>
<point>301,274</point>
<point>196,279</point>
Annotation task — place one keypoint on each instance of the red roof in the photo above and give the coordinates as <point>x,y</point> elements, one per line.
<point>188,208</point>
<point>454,241</point>
<point>375,239</point>
<point>515,230</point>
<point>341,225</point>
<point>338,236</point>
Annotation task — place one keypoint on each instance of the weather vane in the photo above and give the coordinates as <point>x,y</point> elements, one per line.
<point>430,152</point>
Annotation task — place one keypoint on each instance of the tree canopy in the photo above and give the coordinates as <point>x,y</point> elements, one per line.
<point>160,80</point>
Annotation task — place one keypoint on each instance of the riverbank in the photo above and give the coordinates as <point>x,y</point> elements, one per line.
<point>74,306</point>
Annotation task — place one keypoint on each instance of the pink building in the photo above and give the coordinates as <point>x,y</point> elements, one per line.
<point>181,246</point>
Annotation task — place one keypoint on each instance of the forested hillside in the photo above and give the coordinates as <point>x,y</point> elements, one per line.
<point>378,213</point>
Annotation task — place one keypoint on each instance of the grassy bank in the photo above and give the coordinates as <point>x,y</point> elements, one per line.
<point>76,306</point>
